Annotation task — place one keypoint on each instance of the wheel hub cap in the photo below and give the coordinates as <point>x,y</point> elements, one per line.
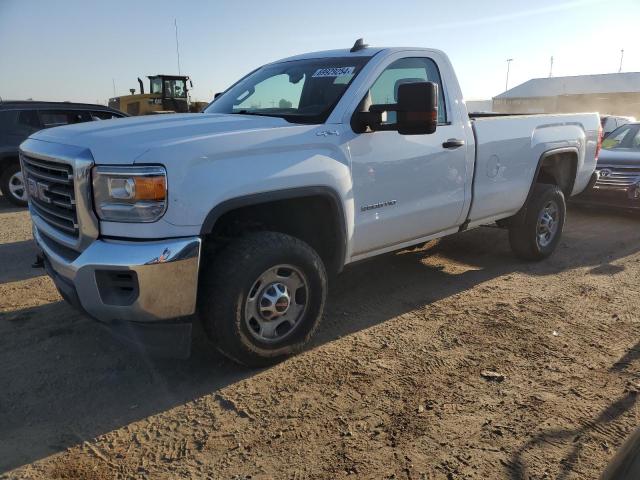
<point>16,186</point>
<point>547,224</point>
<point>276,303</point>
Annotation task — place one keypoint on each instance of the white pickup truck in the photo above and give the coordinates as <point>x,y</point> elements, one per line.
<point>237,216</point>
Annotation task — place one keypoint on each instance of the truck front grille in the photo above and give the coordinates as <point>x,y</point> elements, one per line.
<point>51,193</point>
<point>618,177</point>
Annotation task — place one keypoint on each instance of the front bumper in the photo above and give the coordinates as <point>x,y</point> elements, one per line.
<point>115,280</point>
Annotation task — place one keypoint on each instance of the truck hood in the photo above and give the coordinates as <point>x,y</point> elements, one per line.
<point>619,157</point>
<point>123,140</point>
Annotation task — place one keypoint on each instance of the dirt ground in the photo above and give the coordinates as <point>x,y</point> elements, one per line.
<point>391,388</point>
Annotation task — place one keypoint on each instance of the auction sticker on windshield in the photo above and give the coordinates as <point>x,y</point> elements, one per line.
<point>334,72</point>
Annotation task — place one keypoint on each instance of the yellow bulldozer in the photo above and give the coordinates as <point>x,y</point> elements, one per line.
<point>167,94</point>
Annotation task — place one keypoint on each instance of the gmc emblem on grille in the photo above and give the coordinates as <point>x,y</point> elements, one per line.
<point>38,190</point>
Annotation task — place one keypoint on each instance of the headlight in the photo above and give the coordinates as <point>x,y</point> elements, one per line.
<point>130,194</point>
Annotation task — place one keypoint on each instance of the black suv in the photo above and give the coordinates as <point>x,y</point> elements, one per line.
<point>19,119</point>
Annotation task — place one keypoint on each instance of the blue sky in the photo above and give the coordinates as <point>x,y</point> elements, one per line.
<point>72,49</point>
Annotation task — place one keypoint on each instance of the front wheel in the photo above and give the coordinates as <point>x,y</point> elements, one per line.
<point>13,185</point>
<point>538,235</point>
<point>262,297</point>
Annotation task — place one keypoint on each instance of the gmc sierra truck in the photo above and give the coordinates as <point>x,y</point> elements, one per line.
<point>237,216</point>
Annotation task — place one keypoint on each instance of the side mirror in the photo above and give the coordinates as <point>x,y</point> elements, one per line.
<point>217,94</point>
<point>363,122</point>
<point>416,111</point>
<point>417,108</point>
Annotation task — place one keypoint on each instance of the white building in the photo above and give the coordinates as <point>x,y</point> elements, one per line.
<point>611,93</point>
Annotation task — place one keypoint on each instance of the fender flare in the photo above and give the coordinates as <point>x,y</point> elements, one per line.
<point>286,194</point>
<point>518,218</point>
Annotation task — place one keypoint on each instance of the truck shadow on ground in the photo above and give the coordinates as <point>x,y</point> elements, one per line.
<point>518,468</point>
<point>382,286</point>
<point>16,260</point>
<point>7,207</point>
<point>65,380</point>
<point>632,355</point>
<point>575,437</point>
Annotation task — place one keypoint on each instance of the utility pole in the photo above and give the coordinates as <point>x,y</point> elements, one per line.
<point>175,23</point>
<point>621,57</point>
<point>113,80</point>
<point>551,68</point>
<point>506,84</point>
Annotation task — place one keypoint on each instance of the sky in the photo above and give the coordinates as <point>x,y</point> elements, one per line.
<point>77,50</point>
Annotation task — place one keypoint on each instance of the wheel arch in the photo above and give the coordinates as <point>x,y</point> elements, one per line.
<point>551,169</point>
<point>263,199</point>
<point>558,166</point>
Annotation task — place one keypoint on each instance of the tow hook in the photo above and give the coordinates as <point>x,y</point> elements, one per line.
<point>39,263</point>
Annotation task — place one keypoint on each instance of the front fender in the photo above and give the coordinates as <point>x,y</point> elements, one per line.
<point>208,177</point>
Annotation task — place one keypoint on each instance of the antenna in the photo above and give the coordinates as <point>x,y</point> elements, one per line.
<point>175,23</point>
<point>621,57</point>
<point>551,68</point>
<point>359,45</point>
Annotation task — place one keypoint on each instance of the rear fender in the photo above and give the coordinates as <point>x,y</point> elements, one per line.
<point>550,140</point>
<point>518,218</point>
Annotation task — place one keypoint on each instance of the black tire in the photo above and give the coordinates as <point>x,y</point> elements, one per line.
<point>8,172</point>
<point>524,236</point>
<point>228,282</point>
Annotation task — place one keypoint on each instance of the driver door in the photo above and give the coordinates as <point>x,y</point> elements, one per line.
<point>406,186</point>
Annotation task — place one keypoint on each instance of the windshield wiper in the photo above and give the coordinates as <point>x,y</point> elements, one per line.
<point>291,118</point>
<point>249,112</point>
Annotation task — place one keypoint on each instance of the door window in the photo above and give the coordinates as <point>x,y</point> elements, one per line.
<point>384,91</point>
<point>102,115</point>
<point>29,119</point>
<point>7,119</point>
<point>57,118</point>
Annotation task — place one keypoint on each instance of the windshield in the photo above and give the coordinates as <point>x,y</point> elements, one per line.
<point>626,137</point>
<point>300,91</point>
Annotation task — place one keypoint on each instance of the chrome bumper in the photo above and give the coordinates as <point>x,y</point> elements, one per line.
<point>165,274</point>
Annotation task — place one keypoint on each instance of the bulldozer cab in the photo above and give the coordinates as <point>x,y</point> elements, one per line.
<point>166,94</point>
<point>171,90</point>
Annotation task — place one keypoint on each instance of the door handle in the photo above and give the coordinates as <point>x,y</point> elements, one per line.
<point>453,143</point>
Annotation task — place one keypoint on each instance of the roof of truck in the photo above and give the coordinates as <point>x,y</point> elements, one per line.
<point>576,85</point>
<point>346,52</point>
<point>343,52</point>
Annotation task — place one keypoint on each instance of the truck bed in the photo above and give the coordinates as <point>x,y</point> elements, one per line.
<point>508,152</point>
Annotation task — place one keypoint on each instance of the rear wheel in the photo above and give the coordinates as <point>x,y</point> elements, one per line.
<point>13,185</point>
<point>262,297</point>
<point>538,235</point>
